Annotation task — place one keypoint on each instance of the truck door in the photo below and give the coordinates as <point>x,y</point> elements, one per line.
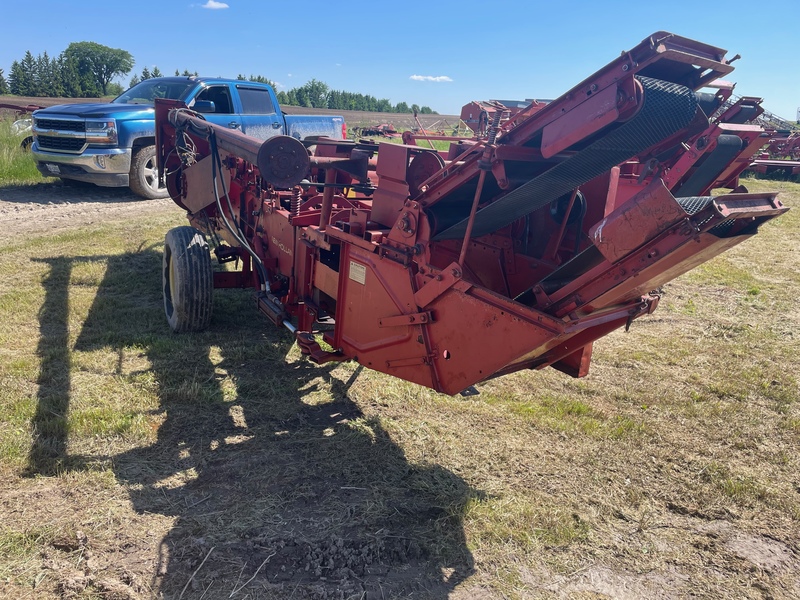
<point>260,117</point>
<point>224,108</point>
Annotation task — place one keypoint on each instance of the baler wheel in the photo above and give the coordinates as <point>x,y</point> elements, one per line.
<point>143,179</point>
<point>187,280</point>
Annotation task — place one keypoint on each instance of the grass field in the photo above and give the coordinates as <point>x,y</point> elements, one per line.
<point>136,463</point>
<point>128,453</point>
<point>16,167</point>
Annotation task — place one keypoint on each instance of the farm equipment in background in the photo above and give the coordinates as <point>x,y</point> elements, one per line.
<point>515,250</point>
<point>780,154</point>
<point>383,130</point>
<point>23,126</point>
<point>479,113</point>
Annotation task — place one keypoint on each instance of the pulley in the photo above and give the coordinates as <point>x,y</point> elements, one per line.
<point>283,161</point>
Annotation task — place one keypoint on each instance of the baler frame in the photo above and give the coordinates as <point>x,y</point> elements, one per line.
<point>509,252</point>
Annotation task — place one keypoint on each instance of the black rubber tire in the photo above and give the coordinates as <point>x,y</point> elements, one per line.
<point>144,174</point>
<point>187,280</point>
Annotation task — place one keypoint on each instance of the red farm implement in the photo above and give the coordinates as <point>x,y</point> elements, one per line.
<point>781,156</point>
<point>515,250</point>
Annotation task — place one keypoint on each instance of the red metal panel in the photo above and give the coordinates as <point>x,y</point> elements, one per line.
<point>640,219</point>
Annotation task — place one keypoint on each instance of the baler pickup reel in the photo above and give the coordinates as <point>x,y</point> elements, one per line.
<point>509,251</point>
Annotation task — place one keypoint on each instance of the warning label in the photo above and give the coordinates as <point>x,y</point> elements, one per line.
<point>358,272</point>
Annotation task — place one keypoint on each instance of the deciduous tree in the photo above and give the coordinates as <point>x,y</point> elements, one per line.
<point>100,62</point>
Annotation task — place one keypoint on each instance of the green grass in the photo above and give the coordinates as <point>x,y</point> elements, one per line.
<point>16,166</point>
<point>156,443</point>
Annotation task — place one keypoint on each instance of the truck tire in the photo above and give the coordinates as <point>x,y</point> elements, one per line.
<point>144,174</point>
<point>187,280</point>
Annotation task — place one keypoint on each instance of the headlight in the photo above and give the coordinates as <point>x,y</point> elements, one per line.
<point>21,126</point>
<point>101,132</point>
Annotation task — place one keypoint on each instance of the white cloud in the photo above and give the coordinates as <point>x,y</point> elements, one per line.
<point>430,78</point>
<point>214,5</point>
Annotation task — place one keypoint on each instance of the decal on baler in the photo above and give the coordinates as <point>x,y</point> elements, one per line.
<point>358,272</point>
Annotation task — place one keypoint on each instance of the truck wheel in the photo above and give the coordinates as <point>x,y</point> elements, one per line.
<point>187,280</point>
<point>144,174</point>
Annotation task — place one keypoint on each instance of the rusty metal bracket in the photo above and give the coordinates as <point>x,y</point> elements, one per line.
<point>310,347</point>
<point>420,318</point>
<point>438,285</point>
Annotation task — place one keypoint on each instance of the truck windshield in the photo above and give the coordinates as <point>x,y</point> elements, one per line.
<point>149,89</point>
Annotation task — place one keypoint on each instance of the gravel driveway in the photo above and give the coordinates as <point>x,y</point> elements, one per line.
<point>48,207</point>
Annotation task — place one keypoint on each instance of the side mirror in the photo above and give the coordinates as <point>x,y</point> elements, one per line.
<point>204,106</point>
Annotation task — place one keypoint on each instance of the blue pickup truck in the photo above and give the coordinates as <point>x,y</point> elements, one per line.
<point>113,144</point>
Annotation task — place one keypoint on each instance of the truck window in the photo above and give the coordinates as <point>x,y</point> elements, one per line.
<point>220,95</point>
<point>145,91</point>
<point>255,101</point>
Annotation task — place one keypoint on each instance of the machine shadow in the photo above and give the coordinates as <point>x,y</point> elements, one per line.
<point>48,451</point>
<point>269,469</point>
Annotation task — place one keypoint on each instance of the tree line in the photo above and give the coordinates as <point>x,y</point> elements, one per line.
<point>86,70</point>
<point>316,94</point>
<point>83,70</point>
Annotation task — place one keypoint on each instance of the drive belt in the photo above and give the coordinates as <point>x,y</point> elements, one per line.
<point>666,108</point>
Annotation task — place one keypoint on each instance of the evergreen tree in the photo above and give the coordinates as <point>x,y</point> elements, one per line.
<point>56,83</point>
<point>4,89</point>
<point>20,79</point>
<point>47,77</point>
<point>157,72</point>
<point>29,68</point>
<point>69,78</point>
<point>262,79</point>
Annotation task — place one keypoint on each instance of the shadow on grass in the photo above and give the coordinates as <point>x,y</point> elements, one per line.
<point>54,191</point>
<point>271,471</point>
<point>49,425</point>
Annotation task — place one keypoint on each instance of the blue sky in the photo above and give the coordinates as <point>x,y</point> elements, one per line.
<point>441,54</point>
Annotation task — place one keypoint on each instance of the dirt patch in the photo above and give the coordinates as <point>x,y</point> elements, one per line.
<point>50,207</point>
